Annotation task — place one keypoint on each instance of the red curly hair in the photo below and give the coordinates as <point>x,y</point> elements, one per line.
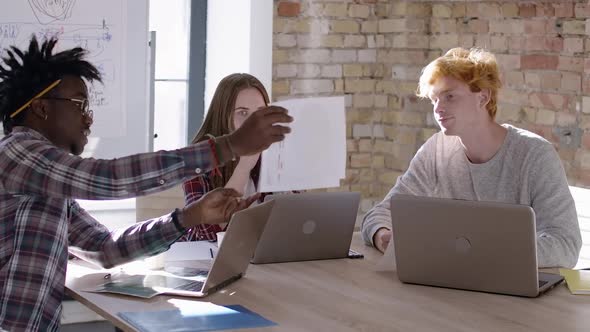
<point>475,67</point>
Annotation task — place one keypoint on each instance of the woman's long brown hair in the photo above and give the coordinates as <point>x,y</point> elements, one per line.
<point>219,119</point>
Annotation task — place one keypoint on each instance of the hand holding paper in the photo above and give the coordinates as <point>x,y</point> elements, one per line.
<point>313,155</point>
<point>259,131</point>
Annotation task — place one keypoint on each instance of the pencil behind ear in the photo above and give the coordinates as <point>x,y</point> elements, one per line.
<point>38,108</point>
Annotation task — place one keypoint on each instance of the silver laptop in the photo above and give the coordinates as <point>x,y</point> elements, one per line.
<point>308,226</point>
<point>481,246</point>
<point>229,265</point>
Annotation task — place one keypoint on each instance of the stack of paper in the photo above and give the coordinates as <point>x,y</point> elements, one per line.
<point>313,155</point>
<point>578,281</point>
<point>191,251</point>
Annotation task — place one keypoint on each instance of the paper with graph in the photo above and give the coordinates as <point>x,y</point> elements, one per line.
<point>313,155</point>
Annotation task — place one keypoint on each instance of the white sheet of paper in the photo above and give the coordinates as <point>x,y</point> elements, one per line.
<point>190,251</point>
<point>313,155</point>
<point>387,262</point>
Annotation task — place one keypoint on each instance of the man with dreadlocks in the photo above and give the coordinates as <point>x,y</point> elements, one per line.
<point>46,117</point>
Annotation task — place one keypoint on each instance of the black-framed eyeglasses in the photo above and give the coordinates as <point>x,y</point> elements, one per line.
<point>84,105</point>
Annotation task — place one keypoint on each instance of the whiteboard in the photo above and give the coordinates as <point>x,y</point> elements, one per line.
<point>115,33</point>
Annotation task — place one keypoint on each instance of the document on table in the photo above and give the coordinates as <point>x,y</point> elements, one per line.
<point>153,283</point>
<point>196,316</point>
<point>313,155</point>
<point>190,251</point>
<point>578,281</point>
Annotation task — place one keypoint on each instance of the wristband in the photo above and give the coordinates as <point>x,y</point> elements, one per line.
<point>176,215</point>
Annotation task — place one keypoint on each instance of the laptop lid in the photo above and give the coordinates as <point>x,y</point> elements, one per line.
<point>482,246</point>
<point>240,241</point>
<point>201,278</point>
<point>308,226</point>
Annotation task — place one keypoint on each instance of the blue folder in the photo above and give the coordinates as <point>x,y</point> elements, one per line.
<point>212,319</point>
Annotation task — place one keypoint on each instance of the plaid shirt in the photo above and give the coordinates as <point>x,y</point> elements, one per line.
<point>194,189</point>
<point>39,218</point>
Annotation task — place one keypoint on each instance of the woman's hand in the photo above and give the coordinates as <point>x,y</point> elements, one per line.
<point>215,207</point>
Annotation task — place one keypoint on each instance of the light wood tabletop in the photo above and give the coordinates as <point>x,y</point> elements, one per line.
<point>349,295</point>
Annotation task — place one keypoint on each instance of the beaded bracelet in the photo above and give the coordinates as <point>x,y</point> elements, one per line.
<point>213,146</point>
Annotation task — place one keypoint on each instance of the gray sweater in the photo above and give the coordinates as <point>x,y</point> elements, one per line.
<point>526,170</point>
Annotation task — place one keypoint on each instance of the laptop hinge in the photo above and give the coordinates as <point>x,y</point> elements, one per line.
<point>224,283</point>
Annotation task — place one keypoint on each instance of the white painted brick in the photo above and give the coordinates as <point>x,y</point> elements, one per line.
<point>348,100</point>
<point>285,40</point>
<point>378,131</point>
<point>371,41</point>
<point>311,56</point>
<point>320,27</point>
<point>392,25</point>
<point>442,10</point>
<point>311,86</point>
<point>335,9</point>
<point>410,41</point>
<point>354,41</point>
<point>362,11</point>
<point>380,41</point>
<point>444,41</point>
<point>309,41</point>
<point>369,27</point>
<point>574,27</point>
<point>344,26</point>
<point>331,71</point>
<point>381,101</point>
<point>344,56</point>
<point>284,70</point>
<point>362,130</point>
<point>363,101</point>
<point>573,45</point>
<point>308,71</point>
<point>404,72</point>
<point>367,56</point>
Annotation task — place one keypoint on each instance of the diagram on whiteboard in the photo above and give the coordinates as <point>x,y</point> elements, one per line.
<point>95,26</point>
<point>48,11</point>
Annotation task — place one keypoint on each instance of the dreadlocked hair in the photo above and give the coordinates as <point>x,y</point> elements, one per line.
<point>23,74</point>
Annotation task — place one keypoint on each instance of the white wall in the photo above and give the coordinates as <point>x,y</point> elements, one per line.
<point>261,42</point>
<point>239,40</point>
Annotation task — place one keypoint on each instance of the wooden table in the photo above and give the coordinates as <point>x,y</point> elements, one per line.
<point>349,295</point>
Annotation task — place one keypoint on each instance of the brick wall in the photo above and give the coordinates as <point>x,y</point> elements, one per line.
<point>372,52</point>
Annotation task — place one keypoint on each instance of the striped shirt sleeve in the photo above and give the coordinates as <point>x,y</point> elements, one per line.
<point>92,241</point>
<point>194,189</point>
<point>36,167</point>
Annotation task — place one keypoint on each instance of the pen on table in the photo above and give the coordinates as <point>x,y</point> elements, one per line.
<point>211,251</point>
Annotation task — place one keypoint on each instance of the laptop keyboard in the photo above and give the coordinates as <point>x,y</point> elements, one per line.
<point>194,286</point>
<point>542,283</point>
